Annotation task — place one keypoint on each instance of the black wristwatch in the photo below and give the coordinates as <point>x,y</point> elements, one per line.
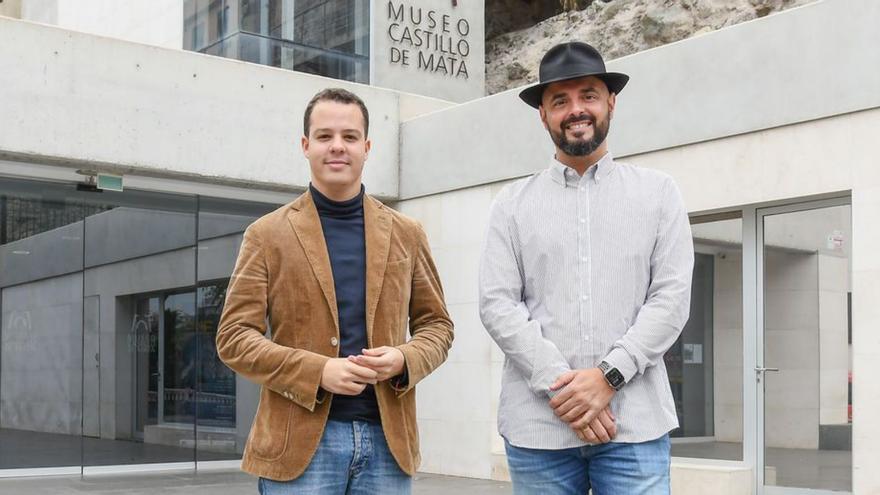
<point>612,375</point>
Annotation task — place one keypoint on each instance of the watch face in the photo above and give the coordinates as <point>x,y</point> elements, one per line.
<point>615,378</point>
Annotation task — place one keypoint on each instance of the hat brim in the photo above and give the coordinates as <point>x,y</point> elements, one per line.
<point>532,95</point>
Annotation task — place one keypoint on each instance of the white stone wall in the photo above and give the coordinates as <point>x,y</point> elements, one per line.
<point>457,404</point>
<point>866,339</point>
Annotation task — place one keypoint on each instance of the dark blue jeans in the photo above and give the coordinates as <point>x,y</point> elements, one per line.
<point>609,469</point>
<point>352,459</point>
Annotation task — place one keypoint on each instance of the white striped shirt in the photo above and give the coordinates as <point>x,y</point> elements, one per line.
<point>576,270</point>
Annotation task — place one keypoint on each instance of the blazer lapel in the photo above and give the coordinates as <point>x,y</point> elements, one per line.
<point>377,234</point>
<point>303,217</point>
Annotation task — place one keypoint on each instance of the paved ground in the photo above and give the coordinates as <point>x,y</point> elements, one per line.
<point>214,483</point>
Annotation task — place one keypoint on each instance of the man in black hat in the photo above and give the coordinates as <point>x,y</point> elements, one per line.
<point>585,284</point>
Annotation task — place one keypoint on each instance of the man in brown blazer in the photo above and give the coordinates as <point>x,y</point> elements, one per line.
<point>336,276</point>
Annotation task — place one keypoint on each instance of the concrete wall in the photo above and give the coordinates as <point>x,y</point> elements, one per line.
<point>42,344</point>
<point>49,254</point>
<point>156,22</point>
<point>43,11</point>
<point>429,47</point>
<point>92,102</point>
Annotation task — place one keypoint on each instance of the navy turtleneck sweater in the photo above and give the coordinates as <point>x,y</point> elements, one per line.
<point>343,226</point>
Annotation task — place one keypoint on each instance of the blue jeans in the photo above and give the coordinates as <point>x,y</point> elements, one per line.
<point>352,459</point>
<point>609,469</point>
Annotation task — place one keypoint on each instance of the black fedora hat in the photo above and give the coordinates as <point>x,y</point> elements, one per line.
<point>571,61</point>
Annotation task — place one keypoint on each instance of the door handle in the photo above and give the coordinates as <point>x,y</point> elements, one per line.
<point>761,370</point>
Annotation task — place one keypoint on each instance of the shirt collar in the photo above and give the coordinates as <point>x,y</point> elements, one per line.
<point>564,175</point>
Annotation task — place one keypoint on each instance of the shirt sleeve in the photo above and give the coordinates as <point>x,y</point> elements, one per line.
<point>503,310</point>
<point>665,312</point>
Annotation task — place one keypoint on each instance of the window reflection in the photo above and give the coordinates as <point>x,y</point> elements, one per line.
<point>41,325</point>
<point>216,402</point>
<point>226,402</point>
<point>807,404</point>
<point>113,361</point>
<point>705,363</point>
<point>324,37</point>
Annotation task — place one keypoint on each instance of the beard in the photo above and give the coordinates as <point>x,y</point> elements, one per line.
<point>581,147</point>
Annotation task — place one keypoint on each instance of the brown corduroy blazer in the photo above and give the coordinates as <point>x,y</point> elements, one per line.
<point>283,279</point>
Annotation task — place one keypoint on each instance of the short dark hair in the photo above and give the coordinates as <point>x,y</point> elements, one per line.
<point>338,95</point>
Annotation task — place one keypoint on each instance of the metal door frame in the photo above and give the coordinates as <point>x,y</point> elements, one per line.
<point>754,363</point>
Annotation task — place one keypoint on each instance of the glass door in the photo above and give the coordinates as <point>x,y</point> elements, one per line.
<point>804,350</point>
<point>42,317</point>
<point>139,359</point>
<point>109,306</point>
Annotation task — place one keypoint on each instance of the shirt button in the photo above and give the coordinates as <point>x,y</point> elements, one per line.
<point>583,298</point>
<point>584,259</point>
<point>334,341</point>
<point>586,338</point>
<point>583,220</point>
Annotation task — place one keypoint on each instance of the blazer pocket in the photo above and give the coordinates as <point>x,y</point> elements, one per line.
<point>268,438</point>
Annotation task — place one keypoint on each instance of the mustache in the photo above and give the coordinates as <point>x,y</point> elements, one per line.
<point>578,118</point>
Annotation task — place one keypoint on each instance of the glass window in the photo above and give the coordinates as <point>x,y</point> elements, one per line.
<point>226,402</point>
<point>205,22</point>
<point>705,363</point>
<point>324,37</point>
<point>139,311</point>
<point>41,329</point>
<point>279,53</point>
<point>340,25</point>
<point>216,402</point>
<point>107,342</point>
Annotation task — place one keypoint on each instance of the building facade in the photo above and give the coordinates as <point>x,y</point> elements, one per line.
<point>434,49</point>
<point>109,300</point>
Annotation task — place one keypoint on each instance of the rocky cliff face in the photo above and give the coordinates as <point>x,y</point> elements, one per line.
<point>615,27</point>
